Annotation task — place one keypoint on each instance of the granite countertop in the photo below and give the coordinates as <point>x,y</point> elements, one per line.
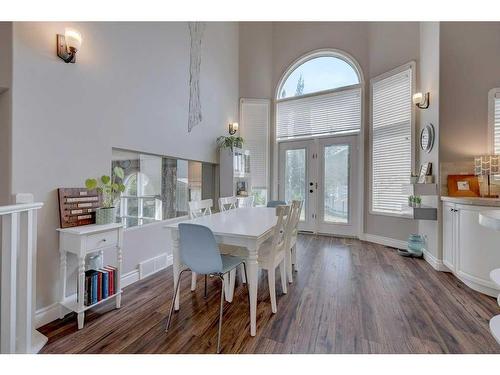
<point>493,202</point>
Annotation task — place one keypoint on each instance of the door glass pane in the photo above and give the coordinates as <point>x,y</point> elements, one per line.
<point>336,199</point>
<point>295,176</point>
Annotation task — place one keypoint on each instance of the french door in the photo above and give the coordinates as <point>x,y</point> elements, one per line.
<point>323,173</point>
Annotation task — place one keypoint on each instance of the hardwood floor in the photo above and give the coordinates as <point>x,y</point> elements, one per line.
<point>348,296</point>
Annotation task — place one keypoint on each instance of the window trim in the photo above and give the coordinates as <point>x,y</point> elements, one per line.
<point>409,65</point>
<point>323,52</point>
<point>492,95</point>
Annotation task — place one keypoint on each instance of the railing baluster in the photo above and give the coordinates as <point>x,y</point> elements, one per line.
<point>9,275</point>
<point>18,275</point>
<point>24,299</point>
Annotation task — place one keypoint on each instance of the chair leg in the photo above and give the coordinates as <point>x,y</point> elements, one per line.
<point>294,257</point>
<point>283,276</point>
<point>193,281</point>
<point>205,286</point>
<point>173,301</point>
<point>220,312</point>
<point>246,277</point>
<point>272,288</point>
<point>289,270</point>
<point>243,274</point>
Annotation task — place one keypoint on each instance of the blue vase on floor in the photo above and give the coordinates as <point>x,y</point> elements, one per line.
<point>416,245</point>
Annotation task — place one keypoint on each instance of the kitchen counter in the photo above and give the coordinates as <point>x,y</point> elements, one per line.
<point>477,201</point>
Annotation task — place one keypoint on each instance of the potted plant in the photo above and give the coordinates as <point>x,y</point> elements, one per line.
<point>110,189</point>
<point>229,142</point>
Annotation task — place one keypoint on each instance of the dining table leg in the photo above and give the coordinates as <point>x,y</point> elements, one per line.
<point>229,285</point>
<point>253,281</point>
<point>176,266</point>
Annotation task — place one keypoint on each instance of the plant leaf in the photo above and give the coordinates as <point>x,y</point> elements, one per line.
<point>90,183</point>
<point>105,179</point>
<point>119,172</point>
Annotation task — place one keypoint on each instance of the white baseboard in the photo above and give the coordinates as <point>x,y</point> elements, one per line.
<point>398,244</point>
<point>386,241</point>
<point>50,313</point>
<point>437,264</point>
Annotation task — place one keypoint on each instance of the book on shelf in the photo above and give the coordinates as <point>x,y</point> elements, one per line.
<point>99,284</point>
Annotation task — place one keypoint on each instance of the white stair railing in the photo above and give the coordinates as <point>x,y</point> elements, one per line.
<point>18,277</point>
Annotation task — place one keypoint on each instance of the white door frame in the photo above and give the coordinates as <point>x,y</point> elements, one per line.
<point>314,165</point>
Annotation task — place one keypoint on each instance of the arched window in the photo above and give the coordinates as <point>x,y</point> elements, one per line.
<point>319,94</point>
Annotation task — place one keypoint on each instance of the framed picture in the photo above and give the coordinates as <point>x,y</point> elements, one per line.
<point>463,185</point>
<point>425,169</point>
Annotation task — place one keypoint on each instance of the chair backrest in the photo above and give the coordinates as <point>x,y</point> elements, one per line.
<point>227,203</point>
<point>292,223</point>
<point>276,203</point>
<point>200,208</point>
<point>246,201</point>
<point>280,233</point>
<point>198,249</point>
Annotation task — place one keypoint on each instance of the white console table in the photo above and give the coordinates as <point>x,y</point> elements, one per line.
<point>82,241</point>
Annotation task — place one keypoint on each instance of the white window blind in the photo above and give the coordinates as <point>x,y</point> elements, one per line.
<point>494,118</point>
<point>391,140</point>
<point>254,121</point>
<point>328,113</point>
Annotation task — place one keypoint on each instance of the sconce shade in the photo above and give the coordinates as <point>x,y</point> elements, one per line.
<point>421,100</point>
<point>233,128</point>
<point>486,165</point>
<point>68,45</point>
<point>73,39</point>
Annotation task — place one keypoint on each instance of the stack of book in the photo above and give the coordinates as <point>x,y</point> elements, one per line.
<point>99,284</point>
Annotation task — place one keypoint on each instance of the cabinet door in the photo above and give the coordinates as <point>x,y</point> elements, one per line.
<point>449,235</point>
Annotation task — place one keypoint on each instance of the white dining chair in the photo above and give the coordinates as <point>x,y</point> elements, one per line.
<point>291,262</point>
<point>272,253</point>
<point>227,203</point>
<point>198,209</point>
<point>246,201</point>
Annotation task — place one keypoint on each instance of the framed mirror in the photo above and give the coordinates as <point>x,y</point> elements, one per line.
<point>427,138</point>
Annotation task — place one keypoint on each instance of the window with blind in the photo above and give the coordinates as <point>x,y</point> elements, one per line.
<point>391,139</point>
<point>494,120</point>
<point>254,121</point>
<point>319,95</point>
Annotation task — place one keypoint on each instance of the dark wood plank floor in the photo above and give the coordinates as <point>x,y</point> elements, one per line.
<point>349,296</point>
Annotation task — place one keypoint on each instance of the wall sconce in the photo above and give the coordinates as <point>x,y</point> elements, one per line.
<point>68,45</point>
<point>233,128</point>
<point>421,100</point>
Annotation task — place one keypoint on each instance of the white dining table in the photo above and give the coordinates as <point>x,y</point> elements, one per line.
<point>243,227</point>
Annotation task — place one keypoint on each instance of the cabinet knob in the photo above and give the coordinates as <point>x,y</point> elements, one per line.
<point>103,240</point>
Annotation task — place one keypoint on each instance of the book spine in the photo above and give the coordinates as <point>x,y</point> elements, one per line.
<point>99,286</point>
<point>87,291</point>
<point>105,285</point>
<point>94,288</point>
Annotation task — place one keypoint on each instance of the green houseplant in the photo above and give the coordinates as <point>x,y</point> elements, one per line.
<point>229,142</point>
<point>110,189</point>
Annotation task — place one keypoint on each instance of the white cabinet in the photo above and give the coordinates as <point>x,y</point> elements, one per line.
<point>470,250</point>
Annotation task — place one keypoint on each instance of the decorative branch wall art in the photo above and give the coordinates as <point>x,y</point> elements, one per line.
<point>196,32</point>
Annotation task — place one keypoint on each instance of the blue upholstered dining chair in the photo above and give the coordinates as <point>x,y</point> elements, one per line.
<point>276,203</point>
<point>200,253</point>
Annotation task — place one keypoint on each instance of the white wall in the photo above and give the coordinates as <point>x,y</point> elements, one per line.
<point>128,89</point>
<point>470,67</point>
<point>428,79</point>
<point>392,44</point>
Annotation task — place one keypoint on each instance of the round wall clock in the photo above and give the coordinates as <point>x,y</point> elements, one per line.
<point>427,138</point>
